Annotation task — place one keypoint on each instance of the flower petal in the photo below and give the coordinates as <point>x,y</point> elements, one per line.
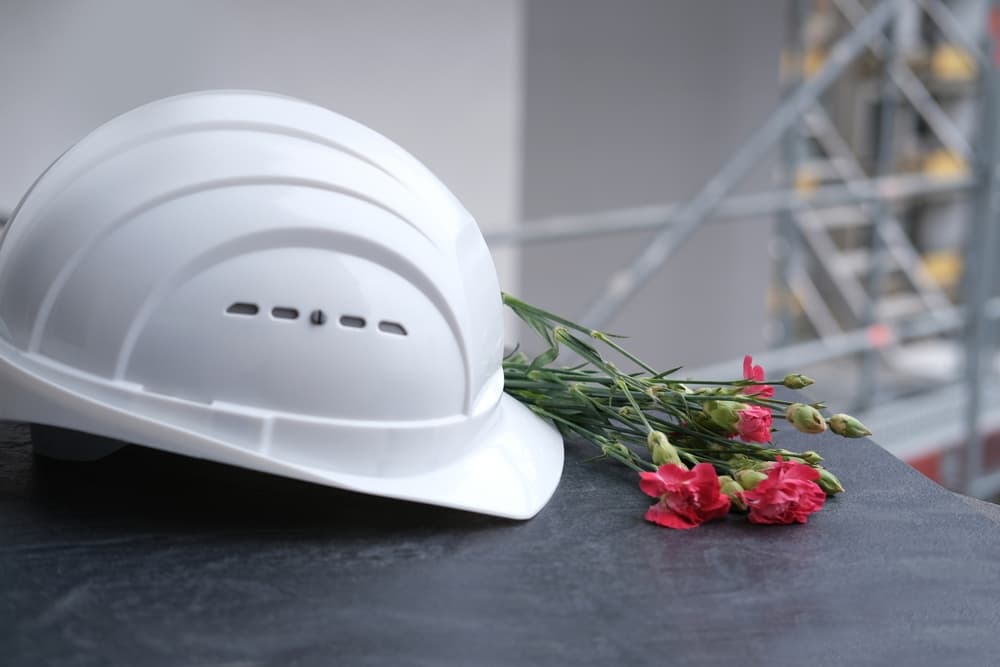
<point>652,484</point>
<point>703,473</point>
<point>663,516</point>
<point>671,473</point>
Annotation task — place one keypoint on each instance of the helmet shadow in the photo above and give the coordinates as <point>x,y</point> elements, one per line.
<point>145,490</point>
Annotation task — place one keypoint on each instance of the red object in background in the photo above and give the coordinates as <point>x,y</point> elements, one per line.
<point>931,463</point>
<point>880,335</point>
<point>995,33</point>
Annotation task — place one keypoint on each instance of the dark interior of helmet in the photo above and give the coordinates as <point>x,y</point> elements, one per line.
<point>69,445</point>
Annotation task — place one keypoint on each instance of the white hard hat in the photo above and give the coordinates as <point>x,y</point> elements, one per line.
<point>255,280</point>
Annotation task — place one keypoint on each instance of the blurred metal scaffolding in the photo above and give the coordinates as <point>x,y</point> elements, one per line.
<point>883,256</point>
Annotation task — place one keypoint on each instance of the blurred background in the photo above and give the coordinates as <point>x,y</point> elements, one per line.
<point>809,181</point>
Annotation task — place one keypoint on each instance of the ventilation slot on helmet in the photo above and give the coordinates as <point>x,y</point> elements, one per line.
<point>315,317</point>
<point>352,321</point>
<point>392,328</point>
<point>248,309</point>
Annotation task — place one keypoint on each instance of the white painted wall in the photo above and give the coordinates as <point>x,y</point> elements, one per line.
<point>440,77</point>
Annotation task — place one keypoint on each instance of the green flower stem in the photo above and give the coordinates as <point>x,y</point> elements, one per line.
<point>597,402</point>
<point>604,338</point>
<point>521,308</point>
<point>607,447</point>
<point>635,405</point>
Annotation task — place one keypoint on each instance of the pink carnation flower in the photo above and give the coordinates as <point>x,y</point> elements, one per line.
<point>755,424</point>
<point>788,495</point>
<point>688,498</point>
<point>755,373</point>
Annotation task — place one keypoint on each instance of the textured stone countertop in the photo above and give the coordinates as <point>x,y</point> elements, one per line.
<point>146,558</point>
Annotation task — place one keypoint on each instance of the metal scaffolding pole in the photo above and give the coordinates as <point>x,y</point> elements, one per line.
<point>645,218</point>
<point>794,357</point>
<point>945,20</point>
<point>891,230</point>
<point>915,91</point>
<point>979,263</point>
<point>625,282</point>
<point>789,239</point>
<point>884,164</point>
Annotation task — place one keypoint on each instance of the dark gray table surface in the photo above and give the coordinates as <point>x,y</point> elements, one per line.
<point>146,558</point>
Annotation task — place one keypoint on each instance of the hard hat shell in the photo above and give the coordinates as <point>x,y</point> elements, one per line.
<point>255,280</point>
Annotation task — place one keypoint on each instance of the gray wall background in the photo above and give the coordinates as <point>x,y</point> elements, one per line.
<point>639,102</point>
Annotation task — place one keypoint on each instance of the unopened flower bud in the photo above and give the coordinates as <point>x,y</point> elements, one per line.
<point>805,418</point>
<point>725,414</point>
<point>703,420</point>
<point>663,452</point>
<point>749,479</point>
<point>829,482</point>
<point>730,487</point>
<point>797,381</point>
<point>848,426</point>
<point>616,448</point>
<point>811,457</point>
<point>656,390</point>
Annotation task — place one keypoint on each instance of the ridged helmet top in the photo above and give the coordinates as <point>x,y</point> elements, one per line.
<point>257,250</point>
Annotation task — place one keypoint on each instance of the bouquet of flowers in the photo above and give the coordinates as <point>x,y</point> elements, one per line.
<point>706,446</point>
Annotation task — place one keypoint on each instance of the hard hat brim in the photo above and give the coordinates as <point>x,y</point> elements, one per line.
<point>512,471</point>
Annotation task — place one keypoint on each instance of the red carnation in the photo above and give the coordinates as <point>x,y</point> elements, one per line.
<point>788,495</point>
<point>688,498</point>
<point>754,424</point>
<point>755,373</point>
